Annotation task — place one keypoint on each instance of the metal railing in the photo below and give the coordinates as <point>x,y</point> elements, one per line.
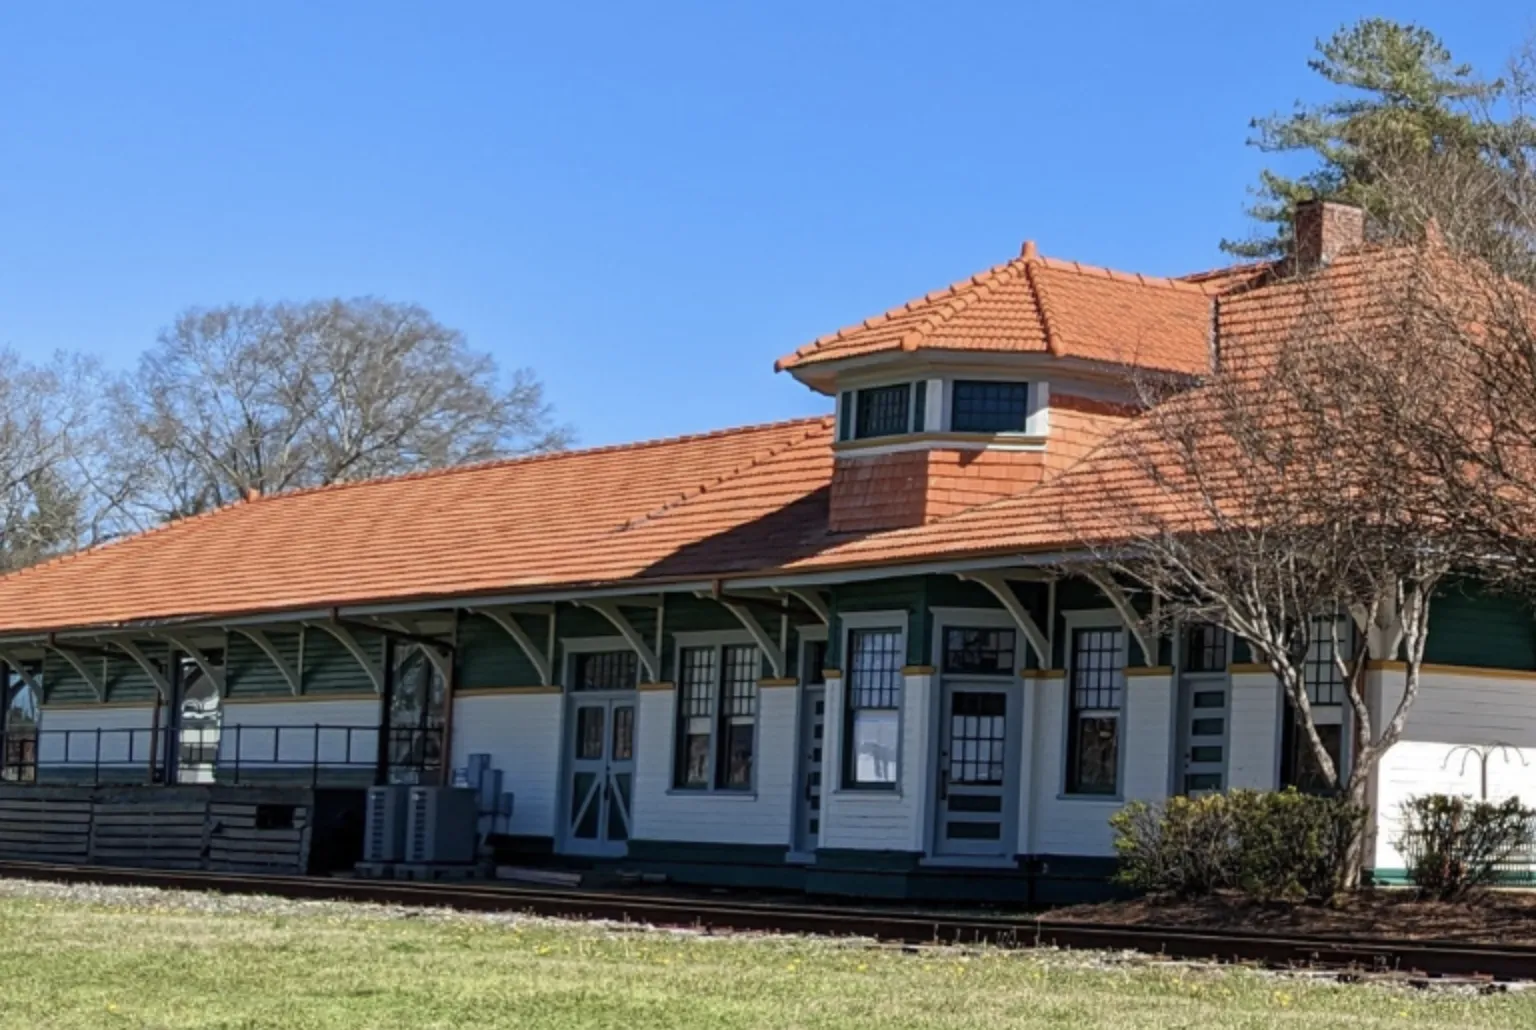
<point>243,754</point>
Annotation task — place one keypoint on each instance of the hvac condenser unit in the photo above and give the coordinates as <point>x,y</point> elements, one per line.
<point>443,824</point>
<point>384,831</point>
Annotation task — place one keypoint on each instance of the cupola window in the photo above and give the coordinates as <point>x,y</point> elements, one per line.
<point>883,411</point>
<point>878,411</point>
<point>982,406</point>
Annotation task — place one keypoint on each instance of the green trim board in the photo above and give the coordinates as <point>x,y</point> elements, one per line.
<point>1472,627</point>
<point>758,866</point>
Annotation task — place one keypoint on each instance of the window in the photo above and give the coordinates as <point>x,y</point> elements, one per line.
<point>606,670</point>
<point>815,662</point>
<point>1325,683</point>
<point>1299,765</point>
<point>979,406</point>
<point>875,658</point>
<point>716,717</point>
<point>882,411</point>
<point>986,652</point>
<point>1205,648</point>
<point>1096,687</point>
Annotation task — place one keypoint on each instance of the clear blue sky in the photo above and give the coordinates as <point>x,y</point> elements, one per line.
<point>645,203</point>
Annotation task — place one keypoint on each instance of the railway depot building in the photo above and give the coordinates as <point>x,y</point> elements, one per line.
<point>835,654</point>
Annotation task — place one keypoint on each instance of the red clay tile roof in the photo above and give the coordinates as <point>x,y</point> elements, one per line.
<point>1042,305</point>
<point>741,501</point>
<point>568,517</point>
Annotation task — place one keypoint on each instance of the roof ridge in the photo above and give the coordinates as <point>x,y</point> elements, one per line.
<point>905,308</point>
<point>532,459</point>
<point>1047,317</point>
<point>825,422</point>
<point>118,541</point>
<point>1135,278</point>
<point>809,422</point>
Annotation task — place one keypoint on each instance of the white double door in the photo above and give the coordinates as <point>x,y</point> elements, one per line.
<point>600,789</point>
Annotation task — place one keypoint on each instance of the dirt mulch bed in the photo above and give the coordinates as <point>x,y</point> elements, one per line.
<point>1497,917</point>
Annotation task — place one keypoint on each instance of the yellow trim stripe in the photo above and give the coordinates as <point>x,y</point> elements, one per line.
<point>1149,670</point>
<point>288,699</point>
<point>90,706</point>
<point>786,681</point>
<point>1043,674</point>
<point>506,691</point>
<point>656,687</point>
<point>831,674</point>
<point>918,670</point>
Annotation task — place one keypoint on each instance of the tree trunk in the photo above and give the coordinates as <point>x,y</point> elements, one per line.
<point>1352,861</point>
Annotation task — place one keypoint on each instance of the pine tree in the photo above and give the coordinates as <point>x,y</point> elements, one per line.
<point>1405,92</point>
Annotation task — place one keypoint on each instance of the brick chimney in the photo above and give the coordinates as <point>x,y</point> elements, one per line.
<point>1323,230</point>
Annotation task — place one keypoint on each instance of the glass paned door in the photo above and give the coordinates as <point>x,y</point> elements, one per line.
<point>602,771</point>
<point>813,724</point>
<point>972,817</point>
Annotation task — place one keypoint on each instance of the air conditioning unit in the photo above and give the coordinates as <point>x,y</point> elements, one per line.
<point>384,830</point>
<point>442,825</point>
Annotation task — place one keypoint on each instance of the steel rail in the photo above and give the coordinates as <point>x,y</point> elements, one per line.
<point>1419,958</point>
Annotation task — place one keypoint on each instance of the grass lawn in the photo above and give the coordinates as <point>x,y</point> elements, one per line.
<point>86,958</point>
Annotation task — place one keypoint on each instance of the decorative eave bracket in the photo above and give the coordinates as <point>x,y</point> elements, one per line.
<point>765,643</point>
<point>372,669</point>
<point>264,643</point>
<point>610,611</point>
<point>996,584</point>
<point>503,618</point>
<point>1134,623</point>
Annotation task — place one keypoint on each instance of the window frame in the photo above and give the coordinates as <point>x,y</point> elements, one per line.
<point>953,387</point>
<point>718,643</point>
<point>849,402</point>
<point>875,622</point>
<point>1074,623</point>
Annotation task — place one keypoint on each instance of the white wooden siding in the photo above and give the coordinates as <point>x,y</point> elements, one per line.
<point>75,729</point>
<point>292,733</point>
<point>1150,713</point>
<point>1450,711</point>
<point>523,734</point>
<point>763,815</point>
<point>881,820</point>
<point>1253,738</point>
<point>1066,825</point>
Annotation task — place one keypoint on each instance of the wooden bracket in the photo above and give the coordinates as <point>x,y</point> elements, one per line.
<point>997,585</point>
<point>344,637</point>
<point>156,675</point>
<point>20,669</point>
<point>1134,623</point>
<point>261,640</point>
<point>97,684</point>
<point>541,662</point>
<point>214,672</point>
<point>610,611</point>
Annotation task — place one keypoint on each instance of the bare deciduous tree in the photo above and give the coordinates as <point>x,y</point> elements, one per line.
<point>1282,500</point>
<point>267,398</point>
<point>49,443</point>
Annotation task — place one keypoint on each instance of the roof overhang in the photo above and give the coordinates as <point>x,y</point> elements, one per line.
<point>849,572</point>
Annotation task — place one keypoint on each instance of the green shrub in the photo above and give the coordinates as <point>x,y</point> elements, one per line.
<point>1455,844</point>
<point>1268,845</point>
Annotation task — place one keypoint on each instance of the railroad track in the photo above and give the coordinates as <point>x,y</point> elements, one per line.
<point>1363,956</point>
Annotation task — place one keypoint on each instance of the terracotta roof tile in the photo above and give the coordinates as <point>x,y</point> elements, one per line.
<point>1035,304</point>
<point>525,522</point>
<point>751,500</point>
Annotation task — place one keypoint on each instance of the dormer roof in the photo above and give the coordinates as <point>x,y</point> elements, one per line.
<point>1041,305</point>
